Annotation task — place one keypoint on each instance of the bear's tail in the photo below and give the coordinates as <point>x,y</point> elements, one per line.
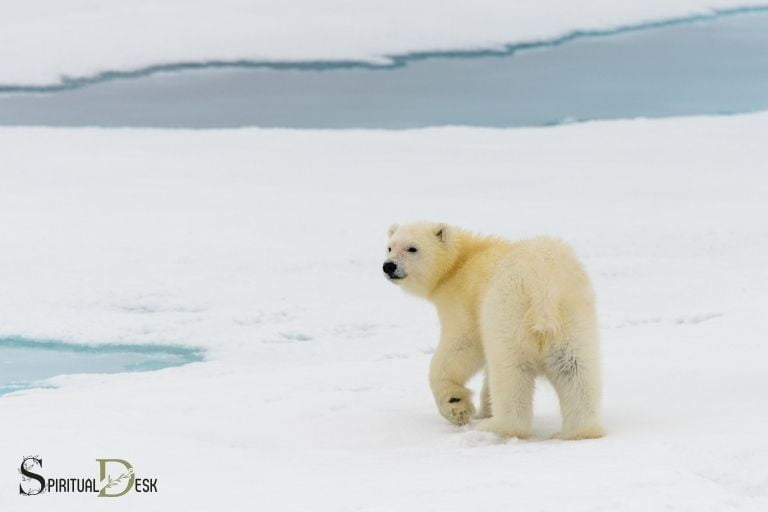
<point>544,318</point>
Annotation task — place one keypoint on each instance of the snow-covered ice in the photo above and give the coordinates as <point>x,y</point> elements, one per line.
<point>42,41</point>
<point>264,247</point>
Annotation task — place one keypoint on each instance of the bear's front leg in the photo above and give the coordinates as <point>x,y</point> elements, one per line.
<point>454,402</point>
<point>452,366</point>
<point>485,400</point>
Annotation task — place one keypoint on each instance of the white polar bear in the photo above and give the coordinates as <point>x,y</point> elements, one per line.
<point>519,309</point>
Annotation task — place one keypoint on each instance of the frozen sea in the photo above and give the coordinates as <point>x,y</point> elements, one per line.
<point>691,66</point>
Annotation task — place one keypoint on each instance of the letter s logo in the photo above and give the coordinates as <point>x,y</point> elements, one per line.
<point>27,464</point>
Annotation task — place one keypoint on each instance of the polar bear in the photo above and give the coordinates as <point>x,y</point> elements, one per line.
<point>519,310</point>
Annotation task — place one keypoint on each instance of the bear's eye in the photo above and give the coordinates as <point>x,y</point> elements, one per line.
<point>389,249</point>
<point>412,249</point>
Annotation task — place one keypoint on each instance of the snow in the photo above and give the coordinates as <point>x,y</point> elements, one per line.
<point>264,247</point>
<point>42,41</point>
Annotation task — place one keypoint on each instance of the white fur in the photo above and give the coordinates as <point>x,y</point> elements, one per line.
<point>519,310</point>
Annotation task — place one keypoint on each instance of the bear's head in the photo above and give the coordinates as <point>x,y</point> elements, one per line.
<point>418,255</point>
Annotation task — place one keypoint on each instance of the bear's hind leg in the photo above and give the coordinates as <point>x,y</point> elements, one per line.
<point>510,367</point>
<point>511,398</point>
<point>575,375</point>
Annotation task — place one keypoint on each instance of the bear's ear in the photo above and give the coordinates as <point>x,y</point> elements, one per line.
<point>392,229</point>
<point>442,232</point>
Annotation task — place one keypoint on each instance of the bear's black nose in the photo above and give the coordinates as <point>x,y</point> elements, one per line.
<point>389,268</point>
